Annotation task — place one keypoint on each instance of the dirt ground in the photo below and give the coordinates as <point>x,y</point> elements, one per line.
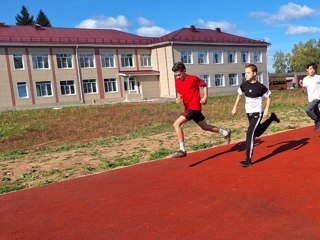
<point>36,169</point>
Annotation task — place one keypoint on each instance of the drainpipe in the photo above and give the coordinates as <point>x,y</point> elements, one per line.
<point>80,77</point>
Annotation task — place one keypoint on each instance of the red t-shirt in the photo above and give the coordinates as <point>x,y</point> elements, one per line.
<point>190,92</point>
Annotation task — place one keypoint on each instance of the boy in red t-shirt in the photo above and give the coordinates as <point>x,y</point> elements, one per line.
<point>188,92</point>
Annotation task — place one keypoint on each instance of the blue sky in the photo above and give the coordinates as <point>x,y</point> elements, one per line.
<point>282,23</point>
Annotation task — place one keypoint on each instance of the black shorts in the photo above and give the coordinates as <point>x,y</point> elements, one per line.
<point>194,115</point>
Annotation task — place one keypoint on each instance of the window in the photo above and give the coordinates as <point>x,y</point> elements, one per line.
<point>206,78</point>
<point>217,56</point>
<point>233,79</point>
<point>44,89</point>
<point>127,60</point>
<point>86,60</point>
<point>22,90</point>
<point>89,86</point>
<point>232,57</point>
<point>145,60</point>
<point>132,85</point>
<point>257,56</point>
<point>219,80</point>
<point>64,60</point>
<point>110,85</point>
<point>245,57</point>
<point>203,57</point>
<point>260,77</point>
<point>243,77</point>
<point>186,57</point>
<point>107,60</point>
<point>18,61</point>
<point>67,87</point>
<point>40,61</point>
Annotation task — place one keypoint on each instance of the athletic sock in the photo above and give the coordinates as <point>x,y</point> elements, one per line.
<point>182,147</point>
<point>223,132</point>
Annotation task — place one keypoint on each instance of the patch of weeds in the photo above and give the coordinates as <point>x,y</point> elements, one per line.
<point>45,182</point>
<point>161,153</point>
<point>27,176</point>
<point>276,129</point>
<point>67,157</point>
<point>122,161</point>
<point>170,137</point>
<point>51,172</point>
<point>13,155</point>
<point>11,188</point>
<point>5,179</point>
<point>199,146</point>
<point>94,153</point>
<point>292,127</point>
<point>90,168</point>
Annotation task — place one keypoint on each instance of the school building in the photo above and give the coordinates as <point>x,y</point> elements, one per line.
<point>47,66</point>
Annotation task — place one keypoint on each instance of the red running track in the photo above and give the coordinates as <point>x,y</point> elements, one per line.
<point>206,195</point>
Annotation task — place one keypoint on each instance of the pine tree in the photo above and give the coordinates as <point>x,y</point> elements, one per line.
<point>43,20</point>
<point>24,18</point>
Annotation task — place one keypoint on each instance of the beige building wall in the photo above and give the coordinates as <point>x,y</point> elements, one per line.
<point>225,68</point>
<point>5,95</point>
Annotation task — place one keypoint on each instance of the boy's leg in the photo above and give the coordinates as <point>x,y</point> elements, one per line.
<point>262,127</point>
<point>254,120</point>
<point>178,128</point>
<point>206,127</point>
<point>312,111</point>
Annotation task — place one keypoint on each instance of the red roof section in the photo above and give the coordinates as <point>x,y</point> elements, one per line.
<point>52,35</point>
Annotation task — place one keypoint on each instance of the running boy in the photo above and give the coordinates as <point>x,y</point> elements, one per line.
<point>188,92</point>
<point>312,83</point>
<point>254,91</point>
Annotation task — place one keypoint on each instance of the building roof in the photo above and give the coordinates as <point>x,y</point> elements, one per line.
<point>50,35</point>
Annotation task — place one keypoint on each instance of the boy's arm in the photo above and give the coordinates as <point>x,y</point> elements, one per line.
<point>205,95</point>
<point>234,110</point>
<point>178,98</point>
<point>266,109</point>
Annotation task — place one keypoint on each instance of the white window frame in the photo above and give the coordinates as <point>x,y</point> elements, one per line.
<point>232,57</point>
<point>44,89</point>
<point>127,60</point>
<point>145,60</point>
<point>16,57</point>
<point>90,86</point>
<point>110,85</point>
<point>186,57</point>
<point>259,77</point>
<point>86,60</point>
<point>233,79</point>
<point>219,80</point>
<point>245,57</point>
<point>206,78</point>
<point>107,60</point>
<point>133,87</point>
<point>24,84</point>
<point>217,55</point>
<point>257,57</point>
<point>203,57</point>
<point>40,61</point>
<point>64,60</point>
<point>69,88</point>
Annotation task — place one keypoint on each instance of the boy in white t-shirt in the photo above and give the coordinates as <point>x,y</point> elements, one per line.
<point>312,84</point>
<point>254,92</point>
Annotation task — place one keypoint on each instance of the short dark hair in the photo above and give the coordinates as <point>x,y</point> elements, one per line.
<point>253,67</point>
<point>179,66</point>
<point>313,65</point>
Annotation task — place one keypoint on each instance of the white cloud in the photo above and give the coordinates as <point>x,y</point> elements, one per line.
<point>296,30</point>
<point>119,23</point>
<point>148,29</point>
<point>290,11</point>
<point>225,26</point>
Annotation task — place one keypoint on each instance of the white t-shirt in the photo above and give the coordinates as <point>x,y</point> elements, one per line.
<point>313,87</point>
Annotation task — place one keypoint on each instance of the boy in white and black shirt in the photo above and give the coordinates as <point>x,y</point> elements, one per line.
<point>312,84</point>
<point>254,93</point>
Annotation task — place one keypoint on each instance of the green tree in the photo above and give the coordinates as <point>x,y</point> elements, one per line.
<point>281,63</point>
<point>43,20</point>
<point>24,17</point>
<point>303,53</point>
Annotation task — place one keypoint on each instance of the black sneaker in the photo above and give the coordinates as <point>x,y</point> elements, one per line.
<point>317,125</point>
<point>228,137</point>
<point>245,163</point>
<point>179,154</point>
<point>274,117</point>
